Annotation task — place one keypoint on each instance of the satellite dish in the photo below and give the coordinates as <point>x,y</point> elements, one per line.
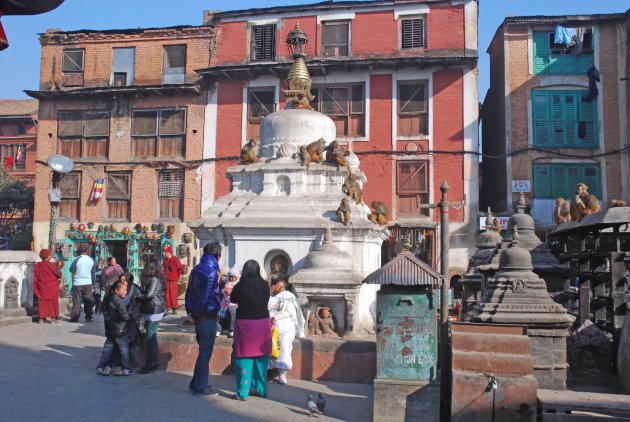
<point>60,163</point>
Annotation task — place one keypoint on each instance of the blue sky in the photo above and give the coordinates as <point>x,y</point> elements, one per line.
<point>19,64</point>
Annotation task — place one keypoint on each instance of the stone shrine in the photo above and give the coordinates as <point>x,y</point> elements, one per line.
<point>278,209</point>
<point>516,295</point>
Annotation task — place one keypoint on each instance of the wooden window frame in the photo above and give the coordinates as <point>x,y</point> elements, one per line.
<point>65,57</point>
<point>420,193</point>
<point>70,202</point>
<point>253,122</point>
<point>117,201</point>
<point>254,50</point>
<point>166,200</point>
<point>324,47</point>
<point>159,138</point>
<point>558,50</point>
<point>354,111</point>
<point>12,152</point>
<point>422,116</point>
<point>84,138</point>
<point>417,41</point>
<point>173,74</point>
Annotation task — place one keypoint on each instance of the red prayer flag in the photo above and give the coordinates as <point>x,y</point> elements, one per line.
<point>4,43</point>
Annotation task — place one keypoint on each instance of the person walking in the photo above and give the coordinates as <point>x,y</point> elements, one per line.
<point>287,317</point>
<point>172,272</point>
<point>203,302</point>
<point>116,317</point>
<point>152,306</point>
<point>252,332</point>
<point>46,287</point>
<point>83,272</point>
<point>110,274</point>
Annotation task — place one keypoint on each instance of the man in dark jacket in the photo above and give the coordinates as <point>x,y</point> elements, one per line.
<point>203,303</point>
<point>116,316</point>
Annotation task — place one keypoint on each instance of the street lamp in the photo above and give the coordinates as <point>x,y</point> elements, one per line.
<point>60,165</point>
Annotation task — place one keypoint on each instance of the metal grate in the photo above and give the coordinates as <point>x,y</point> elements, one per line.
<point>170,184</point>
<point>413,33</point>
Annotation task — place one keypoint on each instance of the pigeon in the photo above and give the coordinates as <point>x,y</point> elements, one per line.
<point>311,406</point>
<point>321,402</point>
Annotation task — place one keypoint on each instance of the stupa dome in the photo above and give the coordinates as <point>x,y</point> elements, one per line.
<point>283,132</point>
<point>515,258</point>
<point>488,240</point>
<point>328,257</point>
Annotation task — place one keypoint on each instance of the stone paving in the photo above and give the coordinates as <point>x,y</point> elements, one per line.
<point>48,373</point>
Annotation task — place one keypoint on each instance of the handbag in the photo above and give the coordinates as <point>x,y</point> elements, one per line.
<point>275,343</point>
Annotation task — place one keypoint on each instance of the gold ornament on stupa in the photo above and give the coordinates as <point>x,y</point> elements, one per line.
<point>299,81</point>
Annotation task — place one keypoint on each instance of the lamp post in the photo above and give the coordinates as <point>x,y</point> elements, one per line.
<point>444,355</point>
<point>60,165</point>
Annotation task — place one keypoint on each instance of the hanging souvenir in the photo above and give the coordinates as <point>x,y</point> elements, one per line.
<point>126,231</point>
<point>97,190</point>
<point>81,227</point>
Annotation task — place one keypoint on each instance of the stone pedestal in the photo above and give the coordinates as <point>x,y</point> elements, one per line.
<point>16,279</point>
<point>397,400</point>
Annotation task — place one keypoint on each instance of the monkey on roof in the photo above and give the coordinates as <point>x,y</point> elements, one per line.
<point>249,152</point>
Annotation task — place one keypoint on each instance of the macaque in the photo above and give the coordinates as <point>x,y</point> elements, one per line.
<point>249,152</point>
<point>305,157</point>
<point>336,155</point>
<point>583,203</point>
<point>316,150</point>
<point>615,203</point>
<point>352,189</point>
<point>562,212</point>
<point>344,212</point>
<point>380,213</point>
<point>496,225</point>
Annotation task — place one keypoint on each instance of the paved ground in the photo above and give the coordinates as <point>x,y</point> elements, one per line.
<point>47,373</point>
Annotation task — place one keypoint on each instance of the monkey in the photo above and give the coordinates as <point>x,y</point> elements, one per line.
<point>496,225</point>
<point>344,212</point>
<point>337,155</point>
<point>583,203</point>
<point>316,150</point>
<point>352,189</point>
<point>379,214</point>
<point>615,203</point>
<point>562,212</point>
<point>249,152</point>
<point>305,157</point>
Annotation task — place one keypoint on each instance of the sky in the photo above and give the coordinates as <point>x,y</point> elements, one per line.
<point>19,64</point>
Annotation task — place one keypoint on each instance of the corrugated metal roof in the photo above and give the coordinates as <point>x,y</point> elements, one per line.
<point>405,270</point>
<point>320,5</point>
<point>52,32</point>
<point>560,18</point>
<point>18,107</point>
<point>104,90</point>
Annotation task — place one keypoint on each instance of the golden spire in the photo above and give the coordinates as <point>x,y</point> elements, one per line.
<point>299,81</point>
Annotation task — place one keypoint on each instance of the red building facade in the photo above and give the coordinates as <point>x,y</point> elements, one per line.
<point>399,79</point>
<point>18,137</point>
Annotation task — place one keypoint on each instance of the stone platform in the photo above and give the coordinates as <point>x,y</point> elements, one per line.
<point>314,358</point>
<point>582,406</point>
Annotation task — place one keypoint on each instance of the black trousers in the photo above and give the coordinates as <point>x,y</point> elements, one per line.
<point>82,293</point>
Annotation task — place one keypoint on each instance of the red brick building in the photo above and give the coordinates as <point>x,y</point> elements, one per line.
<point>125,106</point>
<point>539,119</point>
<point>18,137</point>
<point>399,79</point>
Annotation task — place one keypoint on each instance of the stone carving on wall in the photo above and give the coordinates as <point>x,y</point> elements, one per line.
<point>279,266</point>
<point>322,323</point>
<point>283,186</point>
<point>11,294</point>
<point>589,355</point>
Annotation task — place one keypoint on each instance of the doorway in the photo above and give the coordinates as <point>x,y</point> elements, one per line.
<point>118,249</point>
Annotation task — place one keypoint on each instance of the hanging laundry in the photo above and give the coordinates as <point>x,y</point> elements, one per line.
<point>593,78</point>
<point>4,43</point>
<point>19,155</point>
<point>565,36</point>
<point>97,190</point>
<point>579,45</point>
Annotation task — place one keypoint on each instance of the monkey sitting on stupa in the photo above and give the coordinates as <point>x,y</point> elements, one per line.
<point>583,203</point>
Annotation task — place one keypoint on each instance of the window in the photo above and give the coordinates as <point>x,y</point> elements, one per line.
<point>158,133</point>
<point>563,119</point>
<point>263,42</point>
<point>555,59</point>
<point>123,60</point>
<point>555,180</point>
<point>345,105</point>
<point>13,157</point>
<point>412,188</point>
<point>72,67</point>
<point>412,33</point>
<point>70,187</point>
<point>170,193</point>
<point>174,71</point>
<point>260,103</point>
<point>83,134</point>
<point>118,195</point>
<point>413,109</point>
<point>335,37</point>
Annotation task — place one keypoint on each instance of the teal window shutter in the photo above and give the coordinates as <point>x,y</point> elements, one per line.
<point>588,119</point>
<point>540,104</point>
<point>559,179</point>
<point>541,51</point>
<point>550,62</point>
<point>542,181</point>
<point>590,175</point>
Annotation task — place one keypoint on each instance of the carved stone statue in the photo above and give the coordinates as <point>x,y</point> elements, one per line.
<point>583,203</point>
<point>279,266</point>
<point>316,150</point>
<point>335,154</point>
<point>590,355</point>
<point>380,213</point>
<point>352,188</point>
<point>305,157</point>
<point>11,294</point>
<point>322,323</point>
<point>562,212</point>
<point>249,152</point>
<point>344,212</point>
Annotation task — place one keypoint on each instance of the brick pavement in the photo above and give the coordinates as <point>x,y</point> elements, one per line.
<point>48,374</point>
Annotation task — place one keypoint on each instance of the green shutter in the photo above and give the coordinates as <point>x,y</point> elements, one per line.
<point>590,175</point>
<point>541,51</point>
<point>558,180</point>
<point>542,181</point>
<point>571,102</point>
<point>540,105</point>
<point>548,64</point>
<point>588,117</point>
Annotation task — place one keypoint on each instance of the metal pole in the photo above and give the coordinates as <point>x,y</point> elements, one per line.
<point>444,355</point>
<point>54,209</point>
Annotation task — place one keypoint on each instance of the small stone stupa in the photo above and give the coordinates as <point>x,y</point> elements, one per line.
<point>515,295</point>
